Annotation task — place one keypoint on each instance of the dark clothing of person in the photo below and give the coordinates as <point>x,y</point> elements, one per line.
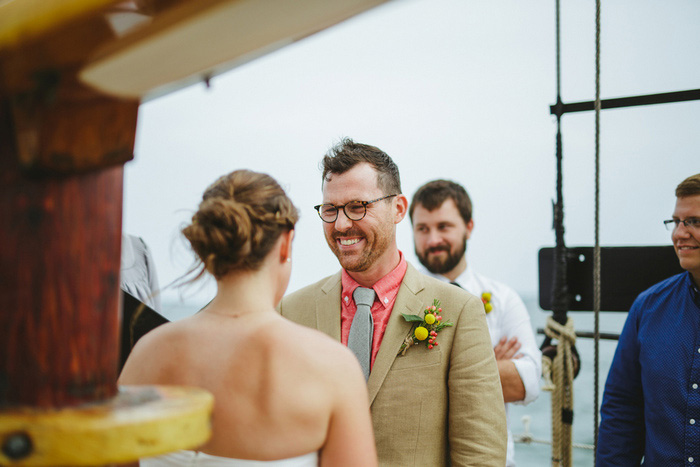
<point>651,403</point>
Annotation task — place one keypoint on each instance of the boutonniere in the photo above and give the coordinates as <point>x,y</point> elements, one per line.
<point>425,328</point>
<point>486,298</point>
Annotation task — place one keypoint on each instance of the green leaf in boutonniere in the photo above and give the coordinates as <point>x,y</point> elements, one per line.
<point>411,318</point>
<point>425,328</point>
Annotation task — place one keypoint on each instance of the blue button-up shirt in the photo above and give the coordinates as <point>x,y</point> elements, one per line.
<point>651,403</point>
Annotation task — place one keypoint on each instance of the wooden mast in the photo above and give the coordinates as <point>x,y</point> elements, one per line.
<point>62,150</point>
<point>61,165</point>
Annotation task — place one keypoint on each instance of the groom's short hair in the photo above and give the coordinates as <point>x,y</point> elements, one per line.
<point>347,154</point>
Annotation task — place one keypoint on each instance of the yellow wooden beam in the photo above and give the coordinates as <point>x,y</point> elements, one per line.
<point>142,421</point>
<point>22,20</point>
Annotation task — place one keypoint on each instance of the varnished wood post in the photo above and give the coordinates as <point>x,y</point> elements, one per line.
<point>59,282</point>
<point>62,150</point>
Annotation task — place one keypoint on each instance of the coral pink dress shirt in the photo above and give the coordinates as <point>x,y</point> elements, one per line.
<point>386,290</point>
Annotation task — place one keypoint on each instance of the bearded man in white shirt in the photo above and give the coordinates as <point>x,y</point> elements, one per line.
<point>441,215</point>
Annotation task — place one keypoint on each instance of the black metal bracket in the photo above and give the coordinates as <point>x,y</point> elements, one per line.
<point>625,272</point>
<point>560,108</point>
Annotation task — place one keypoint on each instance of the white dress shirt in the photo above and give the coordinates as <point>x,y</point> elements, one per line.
<point>508,318</point>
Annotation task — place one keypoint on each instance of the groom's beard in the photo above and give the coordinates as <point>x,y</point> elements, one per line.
<point>439,264</point>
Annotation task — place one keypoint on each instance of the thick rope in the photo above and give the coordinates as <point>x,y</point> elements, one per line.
<point>596,249</point>
<point>557,361</point>
<point>560,298</point>
<point>560,372</point>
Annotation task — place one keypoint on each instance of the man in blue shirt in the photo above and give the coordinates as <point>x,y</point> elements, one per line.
<point>651,404</point>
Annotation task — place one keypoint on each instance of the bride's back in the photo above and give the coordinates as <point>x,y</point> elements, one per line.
<point>275,383</point>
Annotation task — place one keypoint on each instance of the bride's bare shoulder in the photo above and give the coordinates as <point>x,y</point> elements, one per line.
<point>150,357</point>
<point>321,350</point>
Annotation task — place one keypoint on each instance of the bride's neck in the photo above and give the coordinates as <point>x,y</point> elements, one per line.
<point>252,291</point>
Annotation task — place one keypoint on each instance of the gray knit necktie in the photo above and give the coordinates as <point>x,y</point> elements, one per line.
<point>362,328</point>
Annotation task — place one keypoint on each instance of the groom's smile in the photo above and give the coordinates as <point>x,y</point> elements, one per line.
<point>348,242</point>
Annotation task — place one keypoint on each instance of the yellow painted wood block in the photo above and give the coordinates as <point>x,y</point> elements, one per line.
<point>142,421</point>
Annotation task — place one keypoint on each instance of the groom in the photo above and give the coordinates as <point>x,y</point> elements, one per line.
<point>431,405</point>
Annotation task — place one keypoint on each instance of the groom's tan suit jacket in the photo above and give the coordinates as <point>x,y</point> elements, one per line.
<point>428,406</point>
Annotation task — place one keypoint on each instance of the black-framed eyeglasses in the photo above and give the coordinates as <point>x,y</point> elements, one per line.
<point>354,210</point>
<point>692,223</point>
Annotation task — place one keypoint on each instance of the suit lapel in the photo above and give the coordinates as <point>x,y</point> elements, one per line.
<point>328,307</point>
<point>397,329</point>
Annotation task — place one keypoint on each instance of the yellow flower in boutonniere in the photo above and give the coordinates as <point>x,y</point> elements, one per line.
<point>425,328</point>
<point>421,333</point>
<point>486,298</point>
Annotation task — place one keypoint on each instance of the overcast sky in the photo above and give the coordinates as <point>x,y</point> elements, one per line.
<point>456,89</point>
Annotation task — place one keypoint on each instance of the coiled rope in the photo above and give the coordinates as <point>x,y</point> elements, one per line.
<point>559,372</point>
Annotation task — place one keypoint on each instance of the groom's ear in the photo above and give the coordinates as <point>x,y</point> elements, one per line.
<point>400,208</point>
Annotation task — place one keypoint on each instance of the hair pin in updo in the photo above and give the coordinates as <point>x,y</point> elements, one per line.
<point>277,215</point>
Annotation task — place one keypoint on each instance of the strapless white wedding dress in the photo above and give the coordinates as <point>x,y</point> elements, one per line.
<point>200,459</point>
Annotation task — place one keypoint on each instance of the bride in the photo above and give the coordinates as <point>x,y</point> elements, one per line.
<point>284,394</point>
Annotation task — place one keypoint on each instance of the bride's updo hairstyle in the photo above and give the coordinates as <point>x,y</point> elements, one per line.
<point>240,218</point>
